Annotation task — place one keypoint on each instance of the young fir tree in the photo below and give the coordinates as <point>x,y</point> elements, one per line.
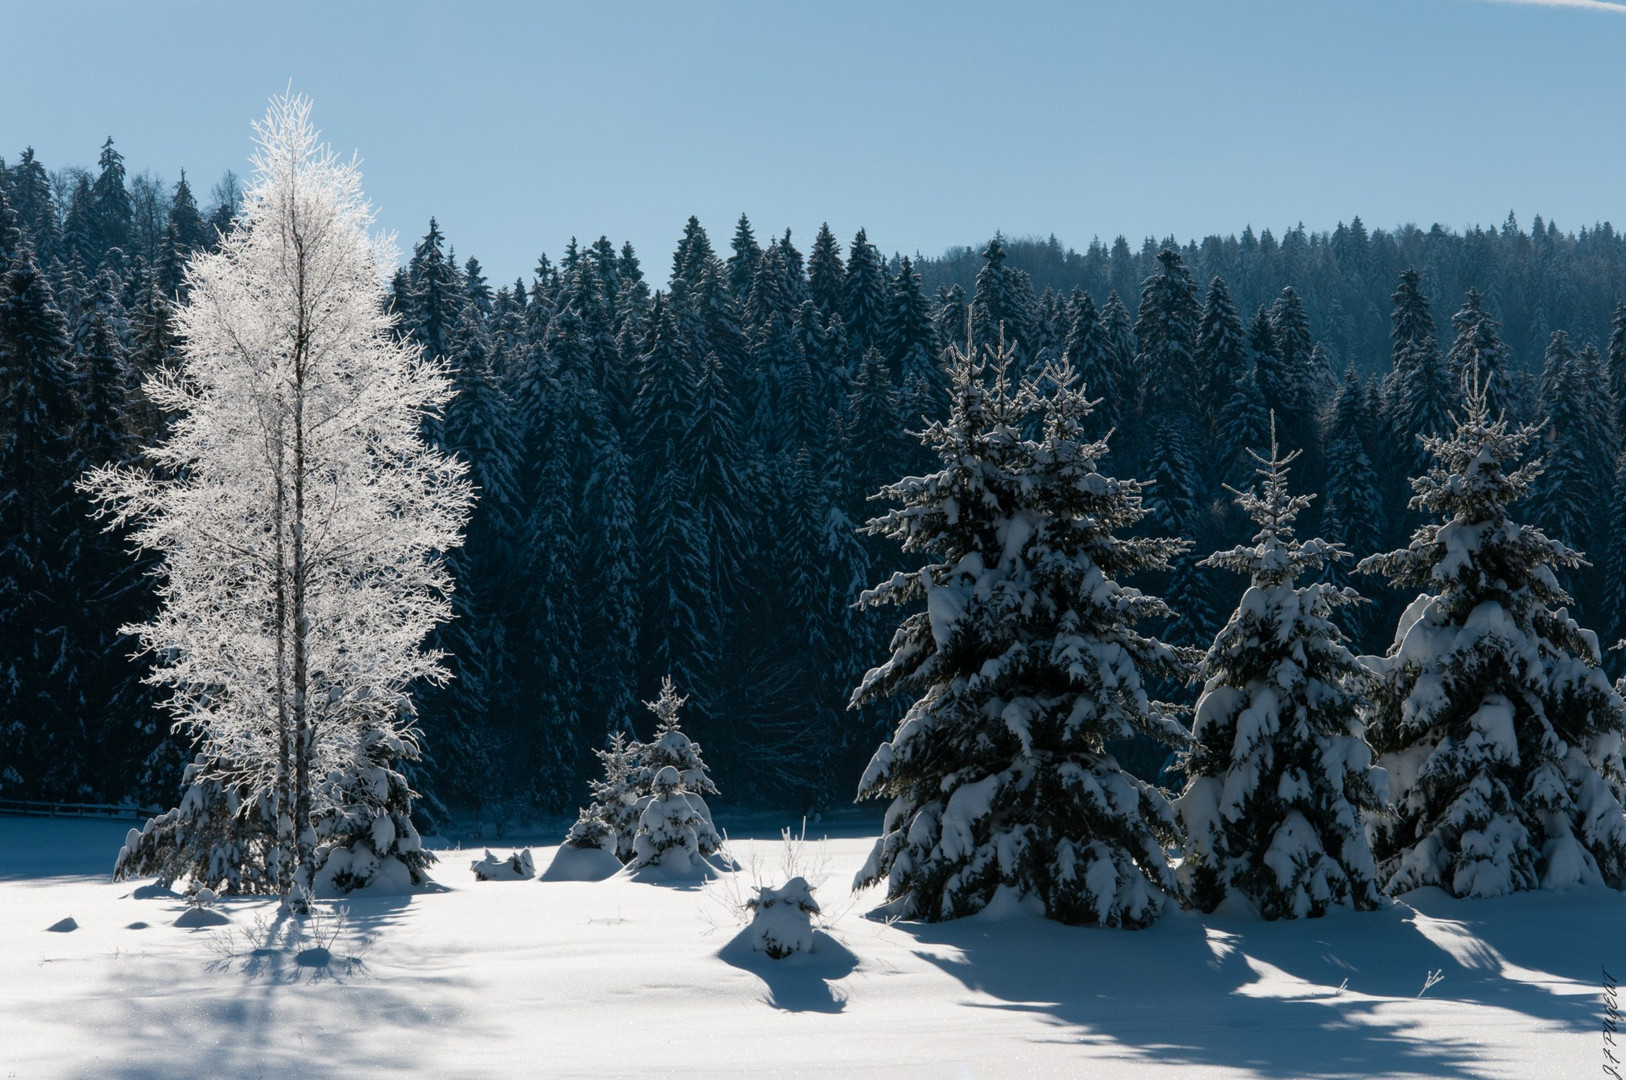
<point>1279,774</point>
<point>1500,734</point>
<point>673,818</point>
<point>1025,661</point>
<point>610,821</point>
<point>221,835</point>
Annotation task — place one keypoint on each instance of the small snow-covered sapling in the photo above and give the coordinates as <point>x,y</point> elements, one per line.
<point>782,918</point>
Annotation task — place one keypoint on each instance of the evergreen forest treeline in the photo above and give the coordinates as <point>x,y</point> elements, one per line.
<point>673,464</point>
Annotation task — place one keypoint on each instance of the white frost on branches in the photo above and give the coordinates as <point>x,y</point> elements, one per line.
<point>300,517</point>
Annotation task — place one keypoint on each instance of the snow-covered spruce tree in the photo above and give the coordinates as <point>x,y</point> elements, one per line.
<point>672,749</point>
<point>1500,734</point>
<point>297,512</point>
<point>366,816</point>
<point>220,836</point>
<point>1279,774</point>
<point>1025,661</point>
<point>610,821</point>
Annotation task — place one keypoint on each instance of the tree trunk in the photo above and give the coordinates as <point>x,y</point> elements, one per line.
<point>304,740</point>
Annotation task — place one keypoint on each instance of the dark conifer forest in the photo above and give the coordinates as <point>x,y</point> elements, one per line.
<point>674,462</point>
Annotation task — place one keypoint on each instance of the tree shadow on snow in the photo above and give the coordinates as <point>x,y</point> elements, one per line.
<point>802,982</point>
<point>1293,999</point>
<point>272,994</point>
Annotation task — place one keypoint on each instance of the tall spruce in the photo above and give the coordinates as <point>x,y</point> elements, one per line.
<point>1418,388</point>
<point>1024,661</point>
<point>1221,353</point>
<point>43,744</point>
<point>1500,734</point>
<point>1477,345</point>
<point>1166,332</point>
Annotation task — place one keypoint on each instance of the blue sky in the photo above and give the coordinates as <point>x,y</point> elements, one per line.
<point>521,124</point>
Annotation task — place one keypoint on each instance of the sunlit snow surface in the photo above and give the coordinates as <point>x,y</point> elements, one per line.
<point>541,978</point>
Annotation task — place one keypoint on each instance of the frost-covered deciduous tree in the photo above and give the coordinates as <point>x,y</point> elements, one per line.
<point>298,514</point>
<point>1024,661</point>
<point>1279,773</point>
<point>1500,734</point>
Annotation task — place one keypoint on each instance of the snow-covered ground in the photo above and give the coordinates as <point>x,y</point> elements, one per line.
<point>627,978</point>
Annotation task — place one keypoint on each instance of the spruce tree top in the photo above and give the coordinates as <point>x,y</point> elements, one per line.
<point>1475,552</point>
<point>671,748</point>
<point>1276,557</point>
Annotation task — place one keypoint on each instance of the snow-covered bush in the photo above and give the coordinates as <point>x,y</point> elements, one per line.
<point>520,866</point>
<point>1024,661</point>
<point>610,821</point>
<point>1279,771</point>
<point>782,918</point>
<point>1500,734</point>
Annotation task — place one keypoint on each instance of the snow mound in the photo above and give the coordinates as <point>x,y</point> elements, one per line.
<point>153,891</point>
<point>391,877</point>
<point>581,864</point>
<point>520,866</point>
<point>195,917</point>
<point>672,871</point>
<point>62,926</point>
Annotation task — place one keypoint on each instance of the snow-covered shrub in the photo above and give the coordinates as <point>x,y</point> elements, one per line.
<point>520,866</point>
<point>1279,771</point>
<point>218,837</point>
<point>782,918</point>
<point>1500,734</point>
<point>610,821</point>
<point>1023,662</point>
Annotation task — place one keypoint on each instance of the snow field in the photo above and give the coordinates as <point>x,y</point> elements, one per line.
<point>620,977</point>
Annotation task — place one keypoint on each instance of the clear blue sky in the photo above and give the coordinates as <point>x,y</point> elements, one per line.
<point>521,124</point>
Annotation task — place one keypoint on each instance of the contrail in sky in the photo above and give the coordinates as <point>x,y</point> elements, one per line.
<point>1617,6</point>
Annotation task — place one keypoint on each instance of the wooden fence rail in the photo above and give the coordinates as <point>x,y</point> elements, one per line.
<point>79,810</point>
